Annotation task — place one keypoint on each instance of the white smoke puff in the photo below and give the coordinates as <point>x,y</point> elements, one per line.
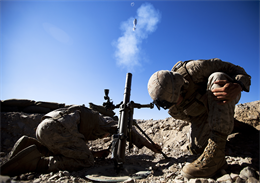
<point>128,47</point>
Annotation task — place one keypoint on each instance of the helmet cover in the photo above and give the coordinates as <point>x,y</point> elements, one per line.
<point>165,85</point>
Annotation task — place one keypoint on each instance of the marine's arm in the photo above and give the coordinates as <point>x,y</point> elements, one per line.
<point>228,92</point>
<point>140,142</point>
<point>200,70</point>
<point>100,154</point>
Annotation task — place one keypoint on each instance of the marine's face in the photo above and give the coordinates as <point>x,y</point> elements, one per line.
<point>165,104</point>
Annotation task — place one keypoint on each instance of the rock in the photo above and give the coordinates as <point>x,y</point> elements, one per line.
<point>5,179</point>
<point>130,180</point>
<point>179,177</point>
<point>38,180</point>
<point>239,180</point>
<point>62,179</point>
<point>178,181</point>
<point>247,172</point>
<point>252,180</point>
<point>63,173</point>
<point>199,180</point>
<point>258,127</point>
<point>56,176</point>
<point>66,173</point>
<point>248,113</point>
<point>211,180</point>
<point>173,169</point>
<point>225,178</point>
<point>16,124</point>
<point>234,176</point>
<point>30,177</point>
<point>23,177</point>
<point>60,174</point>
<point>106,139</point>
<point>170,175</point>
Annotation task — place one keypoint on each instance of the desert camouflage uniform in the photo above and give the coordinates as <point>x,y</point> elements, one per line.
<point>199,106</point>
<point>65,133</point>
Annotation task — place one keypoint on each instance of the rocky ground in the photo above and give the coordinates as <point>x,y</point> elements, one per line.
<point>242,152</point>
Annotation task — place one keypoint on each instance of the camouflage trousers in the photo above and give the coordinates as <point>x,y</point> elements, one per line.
<point>219,118</point>
<point>62,138</point>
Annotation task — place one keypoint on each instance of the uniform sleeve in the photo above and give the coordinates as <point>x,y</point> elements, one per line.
<point>200,70</point>
<point>176,113</point>
<point>138,139</point>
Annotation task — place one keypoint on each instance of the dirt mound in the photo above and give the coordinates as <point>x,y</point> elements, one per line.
<point>248,113</point>
<point>242,152</point>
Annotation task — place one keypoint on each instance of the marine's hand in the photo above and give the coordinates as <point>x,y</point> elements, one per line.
<point>101,154</point>
<point>156,148</point>
<point>228,92</point>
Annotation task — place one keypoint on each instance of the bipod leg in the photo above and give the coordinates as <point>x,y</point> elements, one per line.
<point>134,123</point>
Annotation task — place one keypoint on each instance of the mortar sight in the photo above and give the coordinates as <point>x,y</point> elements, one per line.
<point>106,92</point>
<point>108,104</point>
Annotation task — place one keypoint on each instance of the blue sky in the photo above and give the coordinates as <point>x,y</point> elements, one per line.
<point>70,51</point>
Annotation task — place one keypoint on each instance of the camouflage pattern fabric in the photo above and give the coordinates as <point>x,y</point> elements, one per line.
<point>220,117</point>
<point>60,132</point>
<point>62,138</point>
<point>200,70</point>
<point>165,85</point>
<point>204,113</point>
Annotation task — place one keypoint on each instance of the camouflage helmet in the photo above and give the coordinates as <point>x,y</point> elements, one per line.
<point>164,88</point>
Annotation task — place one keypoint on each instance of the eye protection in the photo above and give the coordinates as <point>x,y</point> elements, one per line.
<point>164,104</point>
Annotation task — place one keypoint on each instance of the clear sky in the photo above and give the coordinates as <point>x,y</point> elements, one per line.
<point>70,51</point>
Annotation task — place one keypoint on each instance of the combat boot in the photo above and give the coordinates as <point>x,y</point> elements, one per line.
<point>194,150</point>
<point>27,160</point>
<point>26,141</point>
<point>210,161</point>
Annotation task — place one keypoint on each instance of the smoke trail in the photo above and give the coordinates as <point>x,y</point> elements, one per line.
<point>128,47</point>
